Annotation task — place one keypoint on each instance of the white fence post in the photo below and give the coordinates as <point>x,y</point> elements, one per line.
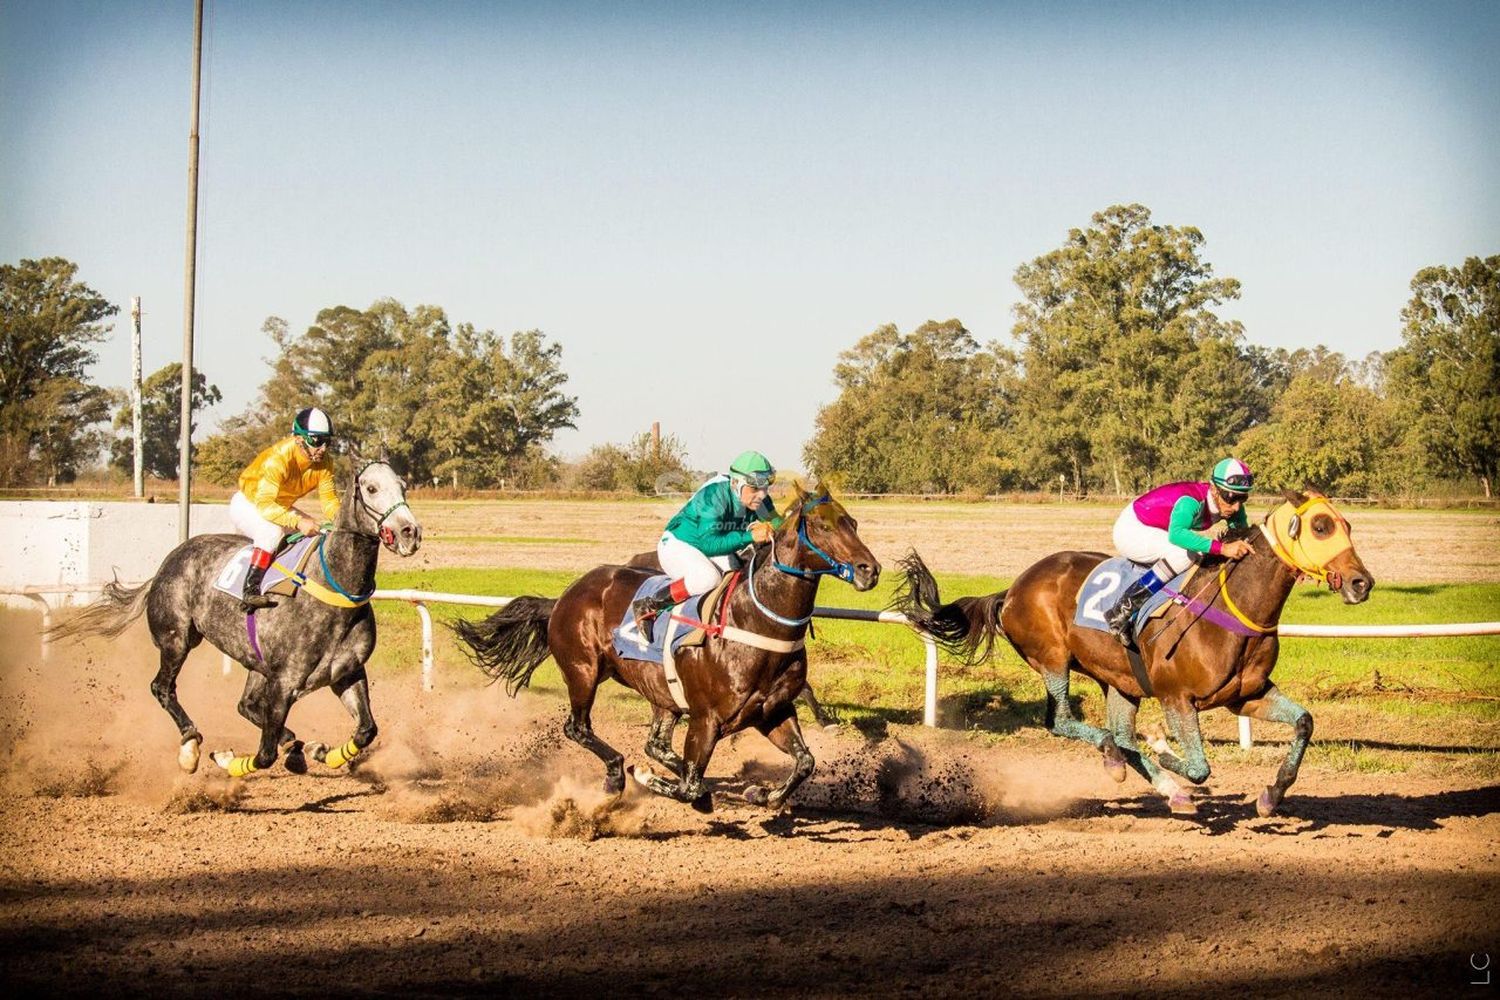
<point>426,617</point>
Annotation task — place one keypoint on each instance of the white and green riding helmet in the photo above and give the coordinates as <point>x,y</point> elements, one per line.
<point>313,426</point>
<point>1233,478</point>
<point>751,468</point>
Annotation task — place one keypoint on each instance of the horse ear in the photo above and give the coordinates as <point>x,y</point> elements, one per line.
<point>354,450</point>
<point>1293,497</point>
<point>385,455</point>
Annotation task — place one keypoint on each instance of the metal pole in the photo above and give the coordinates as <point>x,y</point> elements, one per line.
<point>135,394</point>
<point>184,448</point>
<point>929,704</point>
<point>426,645</point>
<point>1245,742</point>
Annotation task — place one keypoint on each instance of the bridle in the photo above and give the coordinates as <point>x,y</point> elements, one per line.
<point>843,570</point>
<point>386,535</point>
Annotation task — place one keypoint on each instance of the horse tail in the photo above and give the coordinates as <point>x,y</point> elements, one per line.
<point>108,616</point>
<point>967,628</point>
<point>511,643</point>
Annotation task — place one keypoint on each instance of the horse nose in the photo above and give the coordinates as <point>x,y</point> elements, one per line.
<point>1361,585</point>
<point>869,572</point>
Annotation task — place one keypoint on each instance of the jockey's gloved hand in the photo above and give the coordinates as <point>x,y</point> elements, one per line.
<point>760,531</point>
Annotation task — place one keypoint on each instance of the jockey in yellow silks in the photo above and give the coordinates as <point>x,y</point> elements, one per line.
<point>264,508</point>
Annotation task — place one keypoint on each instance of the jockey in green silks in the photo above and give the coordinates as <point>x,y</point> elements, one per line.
<point>1167,529</point>
<point>700,541</point>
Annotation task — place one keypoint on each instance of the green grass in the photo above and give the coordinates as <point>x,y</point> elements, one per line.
<point>1372,697</point>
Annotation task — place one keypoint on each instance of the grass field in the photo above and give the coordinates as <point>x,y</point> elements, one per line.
<point>1380,704</point>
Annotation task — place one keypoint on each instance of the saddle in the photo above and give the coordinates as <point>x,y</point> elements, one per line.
<point>287,566</point>
<point>706,610</point>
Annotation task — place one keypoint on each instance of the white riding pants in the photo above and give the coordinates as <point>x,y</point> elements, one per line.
<point>1141,543</point>
<point>699,573</point>
<point>249,522</point>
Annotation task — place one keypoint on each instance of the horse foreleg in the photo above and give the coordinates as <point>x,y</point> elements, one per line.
<point>786,736</point>
<point>1273,706</point>
<point>249,709</point>
<point>820,715</point>
<point>1182,720</point>
<point>354,691</point>
<point>174,650</point>
<point>659,743</point>
<point>690,787</point>
<point>1122,711</point>
<point>270,703</point>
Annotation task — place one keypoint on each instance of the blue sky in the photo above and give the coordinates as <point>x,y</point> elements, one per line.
<point>706,203</point>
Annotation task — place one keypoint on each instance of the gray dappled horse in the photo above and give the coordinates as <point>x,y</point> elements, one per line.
<point>305,643</point>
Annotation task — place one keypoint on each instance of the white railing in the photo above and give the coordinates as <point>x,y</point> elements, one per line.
<point>421,598</point>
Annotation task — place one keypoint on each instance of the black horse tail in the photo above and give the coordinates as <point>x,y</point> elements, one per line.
<point>110,615</point>
<point>511,643</point>
<point>967,628</point>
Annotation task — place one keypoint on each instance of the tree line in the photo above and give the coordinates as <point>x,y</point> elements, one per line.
<point>1123,375</point>
<point>1120,375</point>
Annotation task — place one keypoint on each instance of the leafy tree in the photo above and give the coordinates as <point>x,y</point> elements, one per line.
<point>161,422</point>
<point>920,412</point>
<point>1130,377</point>
<point>1330,430</point>
<point>48,320</point>
<point>458,405</point>
<point>641,466</point>
<point>1446,374</point>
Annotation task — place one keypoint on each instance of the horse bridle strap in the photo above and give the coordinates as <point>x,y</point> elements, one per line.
<point>844,571</point>
<point>379,518</point>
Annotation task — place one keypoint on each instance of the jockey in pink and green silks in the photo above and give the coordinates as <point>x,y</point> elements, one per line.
<point>700,541</point>
<point>1164,529</point>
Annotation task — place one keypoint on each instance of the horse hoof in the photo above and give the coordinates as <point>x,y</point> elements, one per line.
<point>1266,804</point>
<point>187,754</point>
<point>296,758</point>
<point>222,757</point>
<point>833,727</point>
<point>704,803</point>
<point>641,774</point>
<point>1115,769</point>
<point>317,751</point>
<point>756,795</point>
<point>1182,804</point>
<point>614,785</point>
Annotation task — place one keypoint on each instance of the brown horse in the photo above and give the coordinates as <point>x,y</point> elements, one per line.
<point>1210,652</point>
<point>747,677</point>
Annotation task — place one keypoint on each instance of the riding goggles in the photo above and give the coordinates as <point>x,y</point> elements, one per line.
<point>317,440</point>
<point>756,480</point>
<point>1235,485</point>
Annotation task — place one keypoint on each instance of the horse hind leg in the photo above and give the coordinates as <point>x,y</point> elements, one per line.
<point>175,646</point>
<point>690,787</point>
<point>659,743</point>
<point>1060,718</point>
<point>272,702</point>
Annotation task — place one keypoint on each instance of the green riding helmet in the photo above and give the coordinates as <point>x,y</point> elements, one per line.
<point>753,468</point>
<point>1233,477</point>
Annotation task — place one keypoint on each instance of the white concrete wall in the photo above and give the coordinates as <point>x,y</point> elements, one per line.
<point>82,543</point>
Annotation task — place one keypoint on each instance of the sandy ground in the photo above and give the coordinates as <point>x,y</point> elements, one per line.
<point>471,851</point>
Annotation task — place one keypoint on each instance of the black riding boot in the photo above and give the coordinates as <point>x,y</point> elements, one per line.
<point>253,599</point>
<point>1119,617</point>
<point>647,608</point>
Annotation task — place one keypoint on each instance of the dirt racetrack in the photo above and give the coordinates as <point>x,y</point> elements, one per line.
<point>471,852</point>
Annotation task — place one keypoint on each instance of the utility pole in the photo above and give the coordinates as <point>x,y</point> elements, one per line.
<point>135,394</point>
<point>185,443</point>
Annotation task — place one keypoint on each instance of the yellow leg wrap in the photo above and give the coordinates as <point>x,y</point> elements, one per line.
<point>241,766</point>
<point>339,756</point>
